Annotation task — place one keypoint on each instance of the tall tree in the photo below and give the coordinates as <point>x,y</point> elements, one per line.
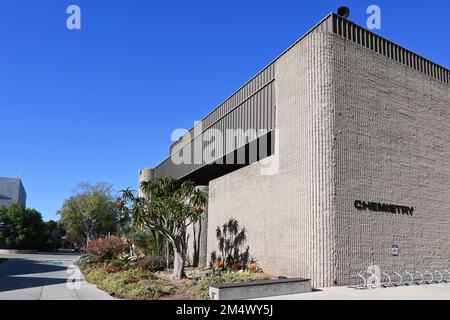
<point>90,213</point>
<point>168,208</point>
<point>53,235</point>
<point>24,228</point>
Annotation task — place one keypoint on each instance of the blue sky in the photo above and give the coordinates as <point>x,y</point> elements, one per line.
<point>100,103</point>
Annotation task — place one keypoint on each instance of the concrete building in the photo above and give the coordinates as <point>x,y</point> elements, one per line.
<point>349,165</point>
<point>12,191</point>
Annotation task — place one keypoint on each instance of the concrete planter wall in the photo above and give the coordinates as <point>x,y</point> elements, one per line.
<point>259,289</point>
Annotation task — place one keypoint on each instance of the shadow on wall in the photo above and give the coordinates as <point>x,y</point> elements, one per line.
<point>231,244</point>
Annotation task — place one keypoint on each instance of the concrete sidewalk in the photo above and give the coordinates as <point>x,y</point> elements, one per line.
<point>45,277</point>
<point>414,292</point>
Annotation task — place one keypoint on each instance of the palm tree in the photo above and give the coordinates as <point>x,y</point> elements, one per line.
<point>168,208</point>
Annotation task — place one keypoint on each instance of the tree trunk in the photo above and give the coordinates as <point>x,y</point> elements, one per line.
<point>179,263</point>
<point>167,254</point>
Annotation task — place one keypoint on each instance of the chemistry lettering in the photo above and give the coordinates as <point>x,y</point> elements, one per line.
<point>382,207</point>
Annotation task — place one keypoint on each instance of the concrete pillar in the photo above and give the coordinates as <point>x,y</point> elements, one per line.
<point>203,230</point>
<point>145,175</point>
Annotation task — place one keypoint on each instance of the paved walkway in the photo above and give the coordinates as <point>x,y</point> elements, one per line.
<point>422,292</point>
<point>45,277</point>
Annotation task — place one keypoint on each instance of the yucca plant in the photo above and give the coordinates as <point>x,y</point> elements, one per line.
<point>168,208</point>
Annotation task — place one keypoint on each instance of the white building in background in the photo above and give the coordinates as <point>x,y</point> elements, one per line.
<point>12,191</point>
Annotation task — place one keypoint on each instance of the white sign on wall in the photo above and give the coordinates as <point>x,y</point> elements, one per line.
<point>395,250</point>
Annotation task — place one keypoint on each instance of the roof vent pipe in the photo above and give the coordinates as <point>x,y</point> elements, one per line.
<point>344,12</point>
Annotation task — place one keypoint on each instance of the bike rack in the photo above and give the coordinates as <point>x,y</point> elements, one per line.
<point>422,280</point>
<point>385,285</point>
<point>409,283</point>
<point>441,275</point>
<point>364,285</point>
<point>397,278</point>
<point>448,273</point>
<point>398,284</point>
<point>432,277</point>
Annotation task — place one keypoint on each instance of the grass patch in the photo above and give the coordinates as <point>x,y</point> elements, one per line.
<point>202,290</point>
<point>129,284</point>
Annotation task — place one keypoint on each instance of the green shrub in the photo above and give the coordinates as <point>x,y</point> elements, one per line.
<point>147,242</point>
<point>128,284</point>
<point>202,290</point>
<point>141,291</point>
<point>127,260</point>
<point>152,264</point>
<point>97,275</point>
<point>117,263</point>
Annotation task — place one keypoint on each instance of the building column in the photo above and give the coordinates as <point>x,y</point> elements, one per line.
<point>145,175</point>
<point>203,231</point>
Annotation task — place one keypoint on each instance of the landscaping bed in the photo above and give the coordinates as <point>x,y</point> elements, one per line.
<point>137,284</point>
<point>126,268</point>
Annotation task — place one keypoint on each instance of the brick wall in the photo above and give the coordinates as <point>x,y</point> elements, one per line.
<point>392,146</point>
<point>352,125</point>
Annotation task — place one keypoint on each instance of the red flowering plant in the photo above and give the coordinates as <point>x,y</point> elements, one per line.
<point>106,248</point>
<point>112,269</point>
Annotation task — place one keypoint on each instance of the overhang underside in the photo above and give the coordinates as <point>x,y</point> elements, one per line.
<point>252,152</point>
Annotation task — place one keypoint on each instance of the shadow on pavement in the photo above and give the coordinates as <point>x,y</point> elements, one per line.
<point>12,274</point>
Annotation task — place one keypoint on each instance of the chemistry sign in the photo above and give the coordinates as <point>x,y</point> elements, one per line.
<point>383,207</point>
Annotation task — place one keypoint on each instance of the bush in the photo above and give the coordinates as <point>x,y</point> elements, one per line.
<point>86,259</point>
<point>202,290</point>
<point>127,284</point>
<point>141,291</point>
<point>152,264</point>
<point>143,241</point>
<point>97,275</point>
<point>101,274</point>
<point>117,263</point>
<point>105,248</point>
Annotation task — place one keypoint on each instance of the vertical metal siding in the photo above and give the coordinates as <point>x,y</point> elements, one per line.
<point>249,108</point>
